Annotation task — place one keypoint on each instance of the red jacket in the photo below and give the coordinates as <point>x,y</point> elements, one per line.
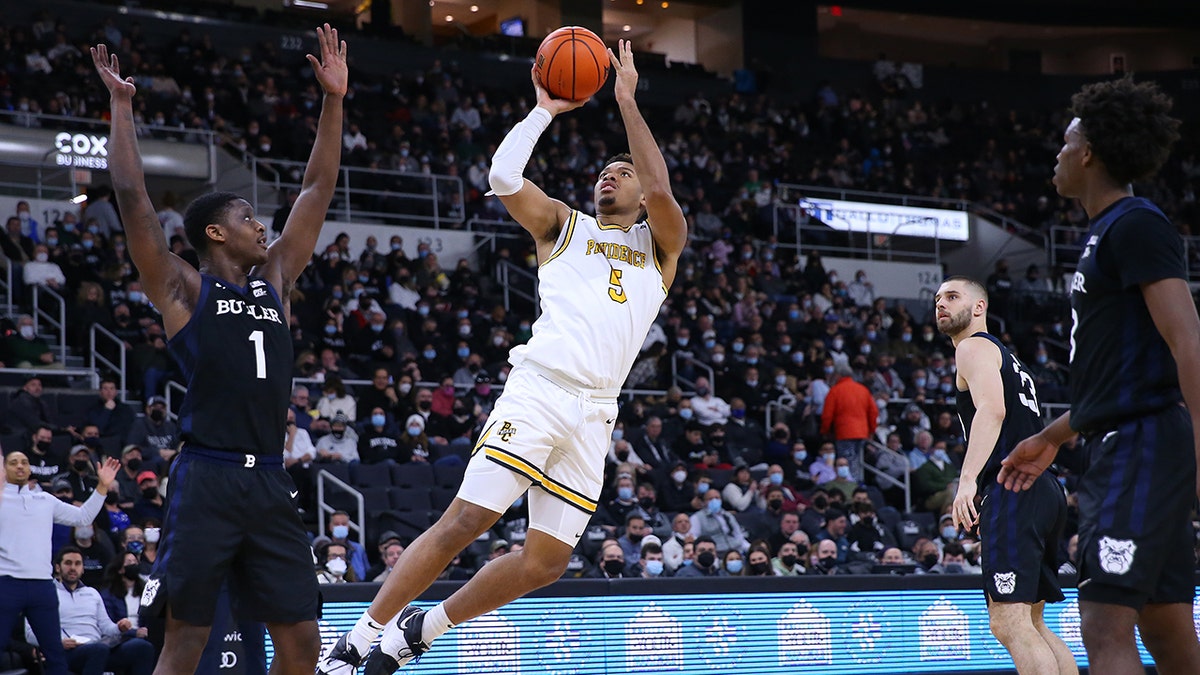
<point>850,411</point>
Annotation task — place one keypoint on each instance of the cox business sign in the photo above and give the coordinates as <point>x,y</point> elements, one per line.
<point>86,151</point>
<point>888,219</point>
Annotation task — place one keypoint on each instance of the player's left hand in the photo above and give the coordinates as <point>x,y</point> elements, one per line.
<point>330,68</point>
<point>964,513</point>
<point>106,471</point>
<point>627,75</point>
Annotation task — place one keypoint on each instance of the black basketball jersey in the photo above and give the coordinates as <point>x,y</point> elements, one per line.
<point>236,355</point>
<point>1121,367</point>
<point>1022,415</point>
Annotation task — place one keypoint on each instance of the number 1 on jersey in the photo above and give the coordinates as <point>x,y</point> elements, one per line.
<point>260,356</point>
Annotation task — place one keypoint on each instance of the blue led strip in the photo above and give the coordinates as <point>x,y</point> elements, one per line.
<point>910,631</point>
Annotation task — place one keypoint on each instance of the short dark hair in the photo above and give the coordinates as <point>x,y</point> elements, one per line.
<point>203,211</point>
<point>979,288</point>
<point>62,553</point>
<point>619,157</point>
<point>1128,126</point>
<point>953,548</point>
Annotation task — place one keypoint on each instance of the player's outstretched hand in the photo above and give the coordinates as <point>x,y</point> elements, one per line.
<point>1026,462</point>
<point>330,68</point>
<point>964,513</point>
<point>110,72</point>
<point>627,75</point>
<point>554,105</point>
<point>106,471</point>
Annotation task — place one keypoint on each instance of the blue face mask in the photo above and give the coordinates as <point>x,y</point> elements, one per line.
<point>463,352</point>
<point>429,354</point>
<point>618,434</point>
<point>709,344</point>
<point>88,244</point>
<point>52,241</point>
<point>654,567</point>
<point>843,472</point>
<point>800,455</point>
<point>949,532</point>
<point>776,479</point>
<point>702,487</point>
<point>377,328</point>
<point>338,295</point>
<point>733,566</point>
<point>714,505</point>
<point>414,431</point>
<point>330,329</point>
<point>785,348</point>
<point>738,347</point>
<point>423,310</point>
<point>685,413</point>
<point>625,493</point>
<point>688,563</point>
<point>135,547</point>
<point>378,420</point>
<point>919,382</point>
<point>738,413</point>
<point>793,314</point>
<point>341,531</point>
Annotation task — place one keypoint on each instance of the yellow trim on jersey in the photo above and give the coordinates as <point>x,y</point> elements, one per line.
<point>542,480</point>
<point>654,255</point>
<point>614,227</point>
<point>570,230</point>
<point>484,436</point>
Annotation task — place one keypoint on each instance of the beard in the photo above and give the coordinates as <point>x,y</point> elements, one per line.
<point>606,201</point>
<point>956,323</point>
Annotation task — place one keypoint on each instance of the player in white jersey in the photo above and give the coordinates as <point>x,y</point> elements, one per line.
<point>602,282</point>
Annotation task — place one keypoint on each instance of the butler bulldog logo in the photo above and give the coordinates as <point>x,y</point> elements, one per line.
<point>1006,582</point>
<point>1116,555</point>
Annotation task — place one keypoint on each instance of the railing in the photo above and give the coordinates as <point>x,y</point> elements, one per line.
<point>173,386</point>
<point>91,375</point>
<point>375,195</point>
<point>57,321</point>
<point>506,273</point>
<point>360,525</point>
<point>685,383</point>
<point>1066,243</point>
<point>884,479</point>
<point>120,366</point>
<point>8,284</point>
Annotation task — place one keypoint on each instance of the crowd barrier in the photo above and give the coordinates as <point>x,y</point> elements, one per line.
<point>748,626</point>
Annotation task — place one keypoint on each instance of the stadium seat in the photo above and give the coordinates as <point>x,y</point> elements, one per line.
<point>409,499</point>
<point>371,475</point>
<point>448,476</point>
<point>876,497</point>
<point>412,475</point>
<point>913,525</point>
<point>375,499</point>
<point>720,477</point>
<point>337,469</point>
<point>71,406</point>
<point>442,497</point>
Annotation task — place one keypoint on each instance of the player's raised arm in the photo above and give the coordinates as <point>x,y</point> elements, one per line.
<point>979,364</point>
<point>290,253</point>
<point>666,218</point>
<point>540,215</point>
<point>170,282</point>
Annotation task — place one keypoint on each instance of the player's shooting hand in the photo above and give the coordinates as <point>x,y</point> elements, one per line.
<point>964,512</point>
<point>556,106</point>
<point>107,473</point>
<point>1026,462</point>
<point>330,68</point>
<point>110,72</point>
<point>627,75</point>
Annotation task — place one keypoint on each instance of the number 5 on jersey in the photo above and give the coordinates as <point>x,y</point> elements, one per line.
<point>616,291</point>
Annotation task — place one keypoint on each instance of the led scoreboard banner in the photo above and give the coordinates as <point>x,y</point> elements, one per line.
<point>918,624</point>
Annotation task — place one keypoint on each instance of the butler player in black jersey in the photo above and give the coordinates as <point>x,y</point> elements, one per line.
<point>1135,388</point>
<point>1019,531</point>
<point>230,513</point>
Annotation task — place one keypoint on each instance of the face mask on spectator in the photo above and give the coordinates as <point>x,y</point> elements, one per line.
<point>341,531</point>
<point>679,476</point>
<point>828,370</point>
<point>740,413</point>
<point>919,382</point>
<point>706,558</point>
<point>654,567</point>
<point>131,572</point>
<point>429,354</point>
<point>738,347</point>
<point>41,257</point>
<point>718,358</point>
<point>414,431</point>
<point>336,567</point>
<point>625,493</point>
<point>947,387</point>
<point>83,533</point>
<point>734,566</point>
<point>378,419</point>
<point>618,434</point>
<point>843,472</point>
<point>949,532</point>
<point>714,505</point>
<point>26,332</point>
<point>776,479</point>
<point>152,535</point>
<point>330,329</point>
<point>81,465</point>
<point>463,352</point>
<point>828,458</point>
<point>906,337</point>
<point>613,567</point>
<point>788,560</point>
<point>685,413</point>
<point>800,456</point>
<point>404,388</point>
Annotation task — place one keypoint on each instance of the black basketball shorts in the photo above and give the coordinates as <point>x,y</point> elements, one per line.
<point>232,517</point>
<point>1019,533</point>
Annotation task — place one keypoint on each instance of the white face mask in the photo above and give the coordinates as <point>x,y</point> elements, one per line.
<point>336,567</point>
<point>26,332</point>
<point>679,476</point>
<point>152,535</point>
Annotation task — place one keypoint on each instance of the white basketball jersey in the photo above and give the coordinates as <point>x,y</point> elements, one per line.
<point>600,290</point>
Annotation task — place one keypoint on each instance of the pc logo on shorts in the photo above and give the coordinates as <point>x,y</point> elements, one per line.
<point>1116,555</point>
<point>150,592</point>
<point>1006,582</point>
<point>507,432</point>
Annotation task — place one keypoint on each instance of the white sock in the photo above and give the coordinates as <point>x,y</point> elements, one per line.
<point>436,624</point>
<point>365,632</point>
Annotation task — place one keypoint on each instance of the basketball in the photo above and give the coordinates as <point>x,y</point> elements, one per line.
<point>572,63</point>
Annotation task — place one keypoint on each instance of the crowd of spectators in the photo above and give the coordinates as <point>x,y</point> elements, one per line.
<point>740,472</point>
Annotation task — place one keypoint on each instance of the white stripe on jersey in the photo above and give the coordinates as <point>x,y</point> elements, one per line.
<point>600,289</point>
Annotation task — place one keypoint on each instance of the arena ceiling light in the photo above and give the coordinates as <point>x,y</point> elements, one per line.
<point>309,4</point>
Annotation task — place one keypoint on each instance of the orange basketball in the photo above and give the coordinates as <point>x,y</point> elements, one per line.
<point>572,63</point>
